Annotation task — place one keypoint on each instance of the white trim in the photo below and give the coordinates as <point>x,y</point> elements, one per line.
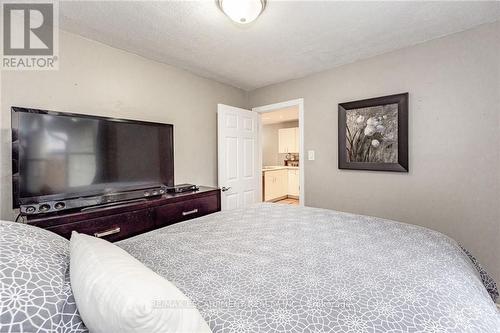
<point>276,106</point>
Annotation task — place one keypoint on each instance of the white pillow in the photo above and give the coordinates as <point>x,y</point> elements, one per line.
<point>115,292</point>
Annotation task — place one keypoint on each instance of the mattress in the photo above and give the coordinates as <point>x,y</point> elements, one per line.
<point>281,268</point>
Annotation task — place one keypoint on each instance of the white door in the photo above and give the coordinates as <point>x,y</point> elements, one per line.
<point>238,159</point>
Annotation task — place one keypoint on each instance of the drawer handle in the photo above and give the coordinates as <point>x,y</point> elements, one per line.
<point>107,232</point>
<point>194,211</point>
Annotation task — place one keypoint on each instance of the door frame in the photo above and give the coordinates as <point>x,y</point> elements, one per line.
<point>276,106</point>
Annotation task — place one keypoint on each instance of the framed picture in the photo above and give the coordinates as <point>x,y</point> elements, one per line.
<point>373,134</point>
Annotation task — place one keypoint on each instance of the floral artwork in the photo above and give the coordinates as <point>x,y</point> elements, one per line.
<point>372,134</point>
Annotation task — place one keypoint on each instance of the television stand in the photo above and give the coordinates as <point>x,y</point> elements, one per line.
<point>126,219</point>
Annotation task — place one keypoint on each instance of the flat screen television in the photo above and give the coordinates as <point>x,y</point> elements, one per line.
<point>59,156</point>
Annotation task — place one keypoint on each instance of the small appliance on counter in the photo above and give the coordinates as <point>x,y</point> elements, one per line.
<point>292,160</point>
<point>292,163</point>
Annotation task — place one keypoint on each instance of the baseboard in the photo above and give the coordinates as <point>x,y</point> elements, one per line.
<point>278,199</point>
<point>283,198</point>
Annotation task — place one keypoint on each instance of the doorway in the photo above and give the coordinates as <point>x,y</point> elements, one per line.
<point>281,145</point>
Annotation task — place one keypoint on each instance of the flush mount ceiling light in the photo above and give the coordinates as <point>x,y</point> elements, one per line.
<point>242,11</point>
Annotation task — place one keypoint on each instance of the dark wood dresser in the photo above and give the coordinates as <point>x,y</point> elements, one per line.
<point>128,219</point>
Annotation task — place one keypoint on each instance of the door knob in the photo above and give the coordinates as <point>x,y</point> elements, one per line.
<point>224,189</point>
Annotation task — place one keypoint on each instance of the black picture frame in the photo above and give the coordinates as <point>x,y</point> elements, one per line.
<point>402,126</point>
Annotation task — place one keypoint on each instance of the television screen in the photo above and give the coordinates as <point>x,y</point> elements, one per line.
<point>61,156</point>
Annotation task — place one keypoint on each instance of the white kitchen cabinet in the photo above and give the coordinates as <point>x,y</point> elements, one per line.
<point>293,182</point>
<point>285,140</point>
<point>296,146</point>
<point>269,189</point>
<point>275,184</point>
<point>288,140</point>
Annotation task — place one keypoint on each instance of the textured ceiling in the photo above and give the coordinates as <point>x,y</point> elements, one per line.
<point>289,40</point>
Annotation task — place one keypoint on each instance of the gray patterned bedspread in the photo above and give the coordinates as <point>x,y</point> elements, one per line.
<point>278,268</point>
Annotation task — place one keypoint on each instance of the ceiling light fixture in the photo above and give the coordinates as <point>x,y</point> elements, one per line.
<point>242,11</point>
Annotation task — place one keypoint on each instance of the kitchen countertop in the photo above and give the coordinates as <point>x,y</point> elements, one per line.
<point>278,167</point>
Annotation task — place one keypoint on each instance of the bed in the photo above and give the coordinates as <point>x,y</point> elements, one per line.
<point>280,268</point>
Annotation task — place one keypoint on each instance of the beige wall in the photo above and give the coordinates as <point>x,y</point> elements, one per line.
<point>96,79</point>
<point>270,143</point>
<point>453,183</point>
